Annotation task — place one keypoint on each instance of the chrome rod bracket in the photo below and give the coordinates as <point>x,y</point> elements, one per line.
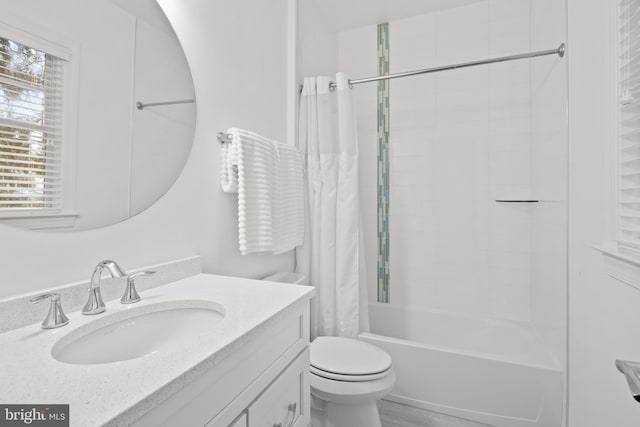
<point>561,50</point>
<point>224,137</point>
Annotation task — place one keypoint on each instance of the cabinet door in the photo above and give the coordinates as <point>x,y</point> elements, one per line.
<point>285,402</point>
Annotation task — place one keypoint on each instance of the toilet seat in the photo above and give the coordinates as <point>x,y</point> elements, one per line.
<point>348,359</point>
<point>349,378</point>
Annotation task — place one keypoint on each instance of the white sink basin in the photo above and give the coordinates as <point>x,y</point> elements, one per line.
<point>138,332</point>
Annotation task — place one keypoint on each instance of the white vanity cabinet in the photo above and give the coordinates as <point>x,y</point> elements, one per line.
<point>263,383</point>
<point>282,403</point>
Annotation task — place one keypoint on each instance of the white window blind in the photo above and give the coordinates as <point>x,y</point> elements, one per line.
<point>629,96</point>
<point>31,104</point>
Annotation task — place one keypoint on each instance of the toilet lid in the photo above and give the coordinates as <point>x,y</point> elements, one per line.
<point>348,378</point>
<point>343,358</point>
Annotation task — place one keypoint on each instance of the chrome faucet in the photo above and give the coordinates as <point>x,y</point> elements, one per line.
<point>56,317</point>
<point>95,305</point>
<point>130,295</point>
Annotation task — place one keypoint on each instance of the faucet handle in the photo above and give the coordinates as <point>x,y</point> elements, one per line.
<point>40,298</point>
<point>130,294</point>
<point>56,317</point>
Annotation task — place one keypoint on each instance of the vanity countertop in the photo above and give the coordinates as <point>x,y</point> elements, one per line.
<point>115,393</point>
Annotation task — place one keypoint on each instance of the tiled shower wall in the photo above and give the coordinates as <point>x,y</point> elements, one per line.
<point>549,177</point>
<point>459,141</point>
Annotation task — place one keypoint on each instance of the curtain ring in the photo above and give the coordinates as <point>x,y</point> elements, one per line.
<point>332,87</point>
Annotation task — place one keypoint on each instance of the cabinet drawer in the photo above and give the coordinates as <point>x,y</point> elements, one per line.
<point>283,403</point>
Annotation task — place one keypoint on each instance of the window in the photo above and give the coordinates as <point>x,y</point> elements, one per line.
<point>628,218</point>
<point>31,123</point>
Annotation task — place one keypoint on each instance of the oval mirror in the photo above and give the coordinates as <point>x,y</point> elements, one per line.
<point>97,111</point>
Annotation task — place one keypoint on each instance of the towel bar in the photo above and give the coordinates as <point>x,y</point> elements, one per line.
<point>224,137</point>
<point>141,106</point>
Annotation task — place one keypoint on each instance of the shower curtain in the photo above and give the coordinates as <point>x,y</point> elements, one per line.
<point>332,257</point>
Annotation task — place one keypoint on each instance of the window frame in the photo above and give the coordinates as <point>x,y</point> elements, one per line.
<point>624,246</point>
<point>621,260</point>
<point>59,46</point>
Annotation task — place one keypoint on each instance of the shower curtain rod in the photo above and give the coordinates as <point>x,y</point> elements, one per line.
<point>558,51</point>
<point>140,105</point>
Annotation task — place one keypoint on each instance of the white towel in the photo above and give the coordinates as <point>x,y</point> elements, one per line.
<point>267,175</point>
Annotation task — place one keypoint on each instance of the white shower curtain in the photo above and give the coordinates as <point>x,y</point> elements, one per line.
<point>332,257</point>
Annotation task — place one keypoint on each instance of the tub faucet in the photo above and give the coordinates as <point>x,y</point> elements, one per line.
<point>95,305</point>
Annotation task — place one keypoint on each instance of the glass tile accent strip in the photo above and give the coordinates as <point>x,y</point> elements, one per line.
<point>383,164</point>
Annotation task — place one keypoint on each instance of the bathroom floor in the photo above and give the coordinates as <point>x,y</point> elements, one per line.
<point>398,415</point>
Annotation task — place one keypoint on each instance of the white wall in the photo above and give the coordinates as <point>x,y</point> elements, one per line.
<point>240,79</point>
<point>459,140</point>
<point>104,97</point>
<point>549,177</point>
<point>317,53</point>
<point>604,313</point>
<point>161,137</point>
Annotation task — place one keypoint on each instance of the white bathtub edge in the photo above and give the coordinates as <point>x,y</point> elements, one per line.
<point>374,336</point>
<point>466,414</point>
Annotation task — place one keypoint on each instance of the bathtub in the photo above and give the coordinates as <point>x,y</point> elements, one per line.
<point>494,372</point>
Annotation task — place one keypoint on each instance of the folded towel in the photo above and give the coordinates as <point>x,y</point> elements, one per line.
<point>289,219</point>
<point>267,175</point>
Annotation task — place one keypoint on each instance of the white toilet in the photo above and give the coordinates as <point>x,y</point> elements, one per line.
<point>347,377</point>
